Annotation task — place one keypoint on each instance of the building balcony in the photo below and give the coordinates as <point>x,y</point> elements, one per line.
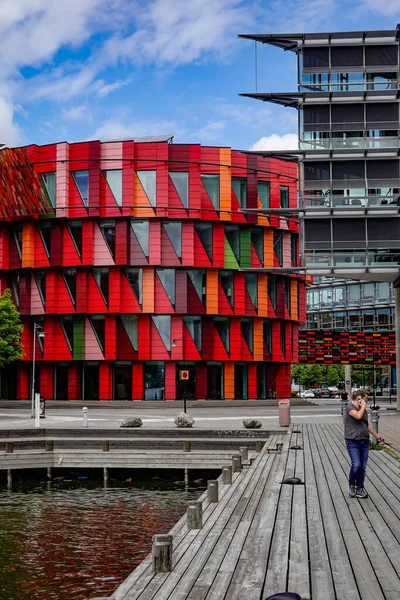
<point>320,205</point>
<point>363,143</point>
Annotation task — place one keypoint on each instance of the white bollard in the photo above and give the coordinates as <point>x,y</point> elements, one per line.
<point>85,416</point>
<point>37,410</point>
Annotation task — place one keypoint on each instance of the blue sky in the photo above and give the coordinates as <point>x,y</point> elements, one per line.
<point>102,69</point>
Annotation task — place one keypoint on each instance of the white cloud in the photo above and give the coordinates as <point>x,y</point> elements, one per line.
<point>209,133</point>
<point>10,133</point>
<point>289,141</point>
<point>108,88</point>
<point>116,129</point>
<point>389,7</point>
<point>77,113</point>
<point>254,114</point>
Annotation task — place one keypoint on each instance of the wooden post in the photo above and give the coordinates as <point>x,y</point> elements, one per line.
<point>106,476</point>
<point>106,446</point>
<point>259,445</point>
<point>227,475</point>
<point>9,479</point>
<point>244,453</point>
<point>49,473</point>
<point>49,445</point>
<point>212,490</point>
<point>162,553</point>
<point>9,447</point>
<point>187,446</point>
<point>194,514</point>
<point>236,463</point>
<point>186,478</point>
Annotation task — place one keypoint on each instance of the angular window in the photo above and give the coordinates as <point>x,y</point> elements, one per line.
<point>278,245</point>
<point>107,228</point>
<point>173,230</point>
<point>284,196</point>
<point>15,281</point>
<point>257,239</point>
<point>181,184</point>
<point>205,233</point>
<point>102,279</point>
<point>135,278</point>
<point>267,333</point>
<point>114,180</point>
<point>264,193</point>
<point>154,380</point>
<point>69,276</point>
<point>226,281</point>
<point>283,339</point>
<point>67,325</point>
<point>222,326</point>
<point>17,234</point>
<point>148,181</point>
<point>246,327</point>
<point>232,234</point>
<point>82,183</point>
<point>44,228</point>
<point>141,231</point>
<point>293,248</point>
<point>167,278</point>
<point>239,186</point>
<point>48,181</point>
<point>98,324</point>
<point>163,326</point>
<point>211,183</point>
<point>130,324</point>
<point>75,230</point>
<point>194,326</point>
<point>198,279</point>
<point>251,287</point>
<point>40,278</point>
<point>272,290</point>
<point>287,293</point>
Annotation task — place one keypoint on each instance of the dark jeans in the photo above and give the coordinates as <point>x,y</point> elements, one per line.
<point>358,451</point>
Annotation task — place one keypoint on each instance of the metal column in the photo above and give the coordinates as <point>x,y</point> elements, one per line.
<point>347,377</point>
<point>397,308</point>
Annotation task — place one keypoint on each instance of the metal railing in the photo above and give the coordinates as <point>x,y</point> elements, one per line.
<point>364,143</point>
<point>353,86</point>
<point>352,260</point>
<point>349,201</point>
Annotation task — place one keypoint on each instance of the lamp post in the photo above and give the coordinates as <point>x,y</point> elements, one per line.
<point>184,379</point>
<point>37,331</point>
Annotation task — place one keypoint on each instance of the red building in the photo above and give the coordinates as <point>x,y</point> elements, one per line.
<point>135,272</point>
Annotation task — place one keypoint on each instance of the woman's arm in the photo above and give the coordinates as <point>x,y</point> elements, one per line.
<point>374,434</point>
<point>358,414</point>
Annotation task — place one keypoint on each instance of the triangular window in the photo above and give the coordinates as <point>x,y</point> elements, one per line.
<point>114,180</point>
<point>205,233</point>
<point>45,234</point>
<point>40,278</point>
<point>181,184</point>
<point>194,327</point>
<point>233,236</point>
<point>163,326</point>
<point>67,324</point>
<point>264,193</point>
<point>102,279</point>
<point>226,281</point>
<point>287,293</point>
<point>272,290</point>
<point>222,326</point>
<point>173,230</point>
<point>49,186</point>
<point>267,333</point>
<point>198,279</point>
<point>17,233</point>
<point>278,246</point>
<point>141,231</point>
<point>246,327</point>
<point>251,287</point>
<point>98,324</point>
<point>82,183</point>
<point>283,339</point>
<point>211,183</point>
<point>167,278</point>
<point>15,281</point>
<point>75,230</point>
<point>257,239</point>
<point>135,278</point>
<point>107,228</point>
<point>130,324</point>
<point>148,181</point>
<point>239,186</point>
<point>70,281</point>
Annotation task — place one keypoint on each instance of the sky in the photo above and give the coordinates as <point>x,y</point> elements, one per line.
<point>72,70</point>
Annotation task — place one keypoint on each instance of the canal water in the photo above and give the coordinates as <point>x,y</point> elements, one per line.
<point>77,540</point>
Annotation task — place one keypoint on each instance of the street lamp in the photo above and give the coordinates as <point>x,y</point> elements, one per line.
<point>183,375</point>
<point>37,331</point>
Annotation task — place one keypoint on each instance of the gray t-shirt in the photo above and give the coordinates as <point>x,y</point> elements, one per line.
<point>355,429</point>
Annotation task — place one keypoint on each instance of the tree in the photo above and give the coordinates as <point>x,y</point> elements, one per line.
<point>11,347</point>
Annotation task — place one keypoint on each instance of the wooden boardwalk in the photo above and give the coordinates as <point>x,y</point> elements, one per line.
<point>263,537</point>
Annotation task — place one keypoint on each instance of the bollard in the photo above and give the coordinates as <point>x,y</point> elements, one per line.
<point>284,413</point>
<point>212,490</point>
<point>49,473</point>
<point>49,445</point>
<point>244,453</point>
<point>375,420</point>
<point>227,475</point>
<point>194,514</point>
<point>187,446</point>
<point>162,553</point>
<point>106,476</point>
<point>9,479</point>
<point>9,447</point>
<point>85,416</point>
<point>259,445</point>
<point>106,446</point>
<point>236,463</point>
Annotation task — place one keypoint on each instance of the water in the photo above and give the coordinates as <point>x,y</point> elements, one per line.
<point>78,540</point>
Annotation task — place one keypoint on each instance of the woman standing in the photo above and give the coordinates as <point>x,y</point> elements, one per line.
<point>356,433</point>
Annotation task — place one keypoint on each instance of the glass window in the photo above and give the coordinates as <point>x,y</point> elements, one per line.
<point>198,279</point>
<point>239,186</point>
<point>226,281</point>
<point>232,234</point>
<point>67,324</point>
<point>211,183</point>
<point>98,323</point>
<point>135,278</point>
<point>383,291</point>
<point>114,180</point>
<point>163,325</point>
<point>148,181</point>
<point>264,193</point>
<point>205,233</point>
<point>261,381</point>
<point>181,184</point>
<point>40,278</point>
<point>82,183</point>
<point>141,231</point>
<point>293,248</point>
<point>278,245</point>
<point>287,294</point>
<point>339,321</point>
<point>326,320</point>
<point>167,278</point>
<point>194,326</point>
<point>49,185</point>
<point>368,319</point>
<point>91,379</point>
<point>130,324</point>
<point>368,291</point>
<point>15,281</point>
<point>339,295</point>
<point>173,230</point>
<point>122,380</point>
<point>222,326</point>
<point>17,234</point>
<point>383,318</point>
<point>102,279</point>
<point>257,239</point>
<point>354,294</point>
<point>75,230</point>
<point>251,287</point>
<point>272,290</point>
<point>267,333</point>
<point>354,320</point>
<point>45,234</point>
<point>284,196</point>
<point>69,276</point>
<point>246,327</point>
<point>107,228</point>
<point>283,339</point>
<point>154,380</point>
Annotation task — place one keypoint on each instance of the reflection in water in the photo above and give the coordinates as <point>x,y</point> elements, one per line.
<point>70,544</point>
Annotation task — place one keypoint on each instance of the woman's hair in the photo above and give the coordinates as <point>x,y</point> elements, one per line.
<point>358,394</point>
